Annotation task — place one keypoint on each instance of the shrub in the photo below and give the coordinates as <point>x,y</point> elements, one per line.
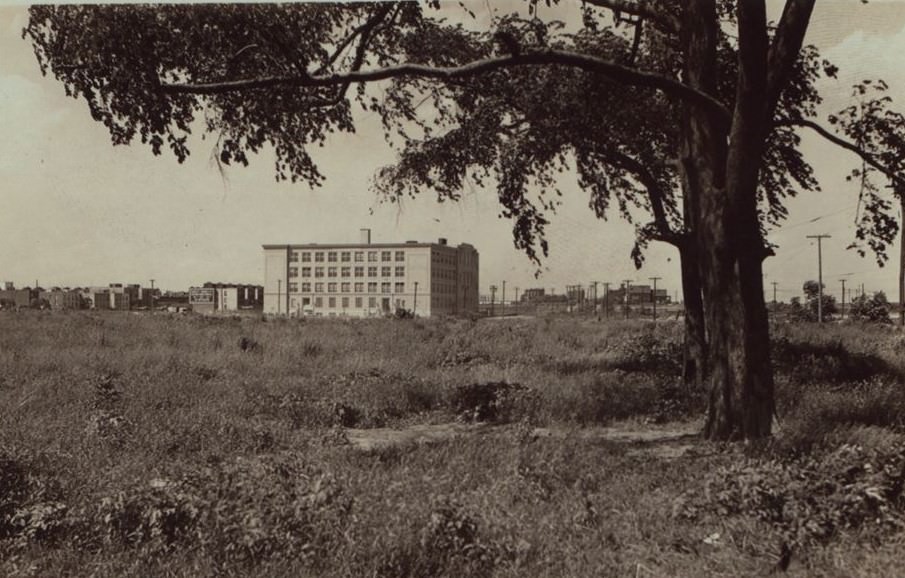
<point>874,309</point>
<point>449,543</point>
<point>244,511</point>
<point>495,402</point>
<point>810,499</point>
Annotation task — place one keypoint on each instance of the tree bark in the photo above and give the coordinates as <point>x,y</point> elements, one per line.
<point>721,169</point>
<point>694,366</point>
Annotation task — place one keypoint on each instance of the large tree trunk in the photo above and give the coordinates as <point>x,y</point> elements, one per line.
<point>721,167</point>
<point>694,367</point>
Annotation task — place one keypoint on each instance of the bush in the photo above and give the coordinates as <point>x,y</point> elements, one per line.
<point>811,499</point>
<point>494,402</point>
<point>245,511</point>
<point>874,309</point>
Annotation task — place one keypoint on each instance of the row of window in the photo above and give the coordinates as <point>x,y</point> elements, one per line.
<point>346,302</point>
<point>347,287</point>
<point>346,271</point>
<point>344,256</point>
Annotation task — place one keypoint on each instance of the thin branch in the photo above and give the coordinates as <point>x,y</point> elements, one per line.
<point>365,28</point>
<point>655,192</point>
<point>840,142</point>
<point>617,72</point>
<point>643,9</point>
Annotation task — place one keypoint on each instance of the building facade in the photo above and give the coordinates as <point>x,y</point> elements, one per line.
<point>366,280</point>
<point>226,297</point>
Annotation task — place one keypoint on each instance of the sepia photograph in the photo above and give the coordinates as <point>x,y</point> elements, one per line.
<point>452,288</point>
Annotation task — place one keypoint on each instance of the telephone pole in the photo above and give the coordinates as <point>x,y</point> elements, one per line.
<point>819,274</point>
<point>606,299</point>
<point>503,299</point>
<point>152,296</point>
<point>279,294</point>
<point>774,293</point>
<point>627,283</point>
<point>415,304</point>
<point>492,298</point>
<point>843,298</point>
<point>654,295</point>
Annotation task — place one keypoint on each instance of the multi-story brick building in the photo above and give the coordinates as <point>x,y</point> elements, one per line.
<point>365,279</point>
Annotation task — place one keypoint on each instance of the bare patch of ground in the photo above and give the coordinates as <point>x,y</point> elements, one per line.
<point>663,440</point>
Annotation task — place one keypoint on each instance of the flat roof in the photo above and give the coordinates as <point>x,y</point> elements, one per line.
<point>361,245</point>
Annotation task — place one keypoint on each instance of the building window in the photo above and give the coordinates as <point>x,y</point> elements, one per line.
<point>306,271</point>
<point>384,287</point>
<point>345,302</point>
<point>318,287</point>
<point>346,256</point>
<point>386,271</point>
<point>359,287</point>
<point>372,287</point>
<point>318,257</point>
<point>346,271</point>
<point>400,271</point>
<point>306,301</point>
<point>293,288</point>
<point>293,271</point>
<point>359,271</point>
<point>293,257</point>
<point>331,302</point>
<point>331,287</point>
<point>331,256</point>
<point>345,287</point>
<point>358,301</point>
<point>306,257</point>
<point>372,256</point>
<point>306,287</point>
<point>386,256</point>
<point>318,301</point>
<point>372,271</point>
<point>359,256</point>
<point>400,287</point>
<point>318,271</point>
<point>372,301</point>
<point>331,271</point>
<point>400,255</point>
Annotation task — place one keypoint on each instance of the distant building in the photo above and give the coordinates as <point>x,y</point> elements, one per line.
<point>532,295</point>
<point>226,297</point>
<point>16,298</point>
<point>638,295</point>
<point>62,299</point>
<point>365,279</point>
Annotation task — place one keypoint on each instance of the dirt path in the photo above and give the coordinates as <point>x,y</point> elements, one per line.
<point>663,441</point>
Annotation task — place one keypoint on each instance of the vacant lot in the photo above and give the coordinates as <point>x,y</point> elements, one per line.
<point>159,445</point>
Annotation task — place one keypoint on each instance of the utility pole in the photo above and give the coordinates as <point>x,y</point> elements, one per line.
<point>516,301</point>
<point>503,299</point>
<point>152,295</point>
<point>627,283</point>
<point>819,274</point>
<point>606,299</point>
<point>415,305</point>
<point>492,298</point>
<point>843,298</point>
<point>654,295</point>
<point>279,294</point>
<point>595,298</point>
<point>774,293</point>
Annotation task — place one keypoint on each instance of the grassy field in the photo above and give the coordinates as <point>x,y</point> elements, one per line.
<point>155,445</point>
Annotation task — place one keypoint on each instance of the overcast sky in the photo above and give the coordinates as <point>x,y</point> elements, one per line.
<point>78,211</point>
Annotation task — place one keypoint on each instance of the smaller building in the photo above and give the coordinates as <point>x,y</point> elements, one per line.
<point>213,297</point>
<point>62,299</point>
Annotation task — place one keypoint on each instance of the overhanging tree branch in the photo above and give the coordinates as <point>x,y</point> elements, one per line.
<point>617,72</point>
<point>898,179</point>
